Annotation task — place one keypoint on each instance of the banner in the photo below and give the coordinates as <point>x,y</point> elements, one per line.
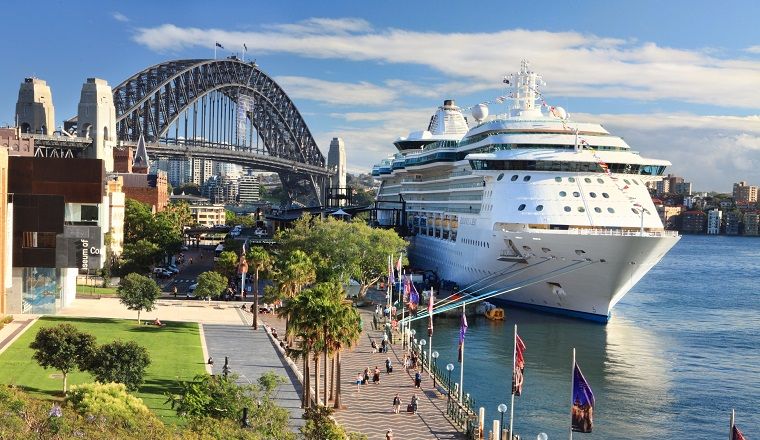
<point>736,434</point>
<point>583,403</point>
<point>430,314</point>
<point>462,333</point>
<point>519,370</point>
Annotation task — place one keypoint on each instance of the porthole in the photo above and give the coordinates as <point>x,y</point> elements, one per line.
<point>521,207</point>
<point>587,180</point>
<point>635,182</point>
<point>576,194</point>
<point>540,208</point>
<point>600,180</point>
<point>558,179</point>
<point>571,179</point>
<point>547,250</point>
<point>581,209</point>
<point>605,195</point>
<point>592,194</point>
<point>514,178</point>
<point>526,178</point>
<point>568,209</point>
<point>627,182</point>
<point>501,176</point>
<point>611,210</point>
<point>562,194</point>
<point>598,209</point>
<point>635,211</point>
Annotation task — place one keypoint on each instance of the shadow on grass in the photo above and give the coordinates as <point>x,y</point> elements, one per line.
<point>46,394</point>
<point>159,386</point>
<point>82,320</point>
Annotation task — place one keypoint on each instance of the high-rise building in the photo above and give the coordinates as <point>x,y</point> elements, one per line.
<point>732,221</point>
<point>336,162</point>
<point>682,188</point>
<point>202,170</point>
<point>751,222</point>
<point>248,189</point>
<point>744,192</point>
<point>693,222</point>
<point>663,186</point>
<point>34,109</point>
<point>714,219</point>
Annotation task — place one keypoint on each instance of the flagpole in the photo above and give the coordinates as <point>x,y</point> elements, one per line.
<point>214,49</point>
<point>512,405</point>
<point>731,428</point>
<point>461,364</point>
<point>401,298</point>
<point>430,333</point>
<point>572,381</point>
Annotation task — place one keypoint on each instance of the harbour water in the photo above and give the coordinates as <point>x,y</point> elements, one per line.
<point>682,349</point>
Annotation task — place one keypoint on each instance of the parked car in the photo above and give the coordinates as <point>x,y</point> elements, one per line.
<point>184,248</point>
<point>173,269</point>
<point>158,270</point>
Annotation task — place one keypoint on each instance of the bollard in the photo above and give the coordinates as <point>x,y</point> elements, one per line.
<point>482,420</point>
<point>496,430</point>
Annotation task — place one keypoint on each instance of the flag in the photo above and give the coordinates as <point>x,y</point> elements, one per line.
<point>736,434</point>
<point>462,332</point>
<point>430,314</point>
<point>414,296</point>
<point>245,47</point>
<point>583,403</point>
<point>519,367</point>
<point>219,45</point>
<point>398,264</point>
<point>391,279</point>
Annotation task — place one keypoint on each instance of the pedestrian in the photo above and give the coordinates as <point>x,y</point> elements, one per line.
<point>396,403</point>
<point>417,380</point>
<point>388,366</point>
<point>366,376</point>
<point>414,404</point>
<point>389,435</point>
<point>374,322</point>
<point>384,346</point>
<point>358,381</point>
<point>407,362</point>
<point>374,346</point>
<point>174,290</point>
<point>376,376</point>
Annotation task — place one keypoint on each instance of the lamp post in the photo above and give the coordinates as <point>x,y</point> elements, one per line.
<point>450,368</point>
<point>412,332</point>
<point>435,358</point>
<point>502,409</point>
<point>422,352</point>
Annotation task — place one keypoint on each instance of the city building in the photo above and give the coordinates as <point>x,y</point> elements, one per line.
<point>714,220</point>
<point>116,207</point>
<point>682,188</point>
<point>201,170</point>
<point>693,222</point>
<point>249,189</point>
<point>34,109</point>
<point>15,143</point>
<point>670,216</point>
<point>221,189</point>
<point>751,221</point>
<point>732,221</point>
<point>151,189</point>
<point>744,192</point>
<point>208,215</point>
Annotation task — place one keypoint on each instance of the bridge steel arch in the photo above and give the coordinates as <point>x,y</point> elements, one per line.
<point>149,102</point>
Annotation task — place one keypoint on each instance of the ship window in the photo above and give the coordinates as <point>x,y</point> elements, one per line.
<point>571,179</point>
<point>635,182</point>
<point>592,194</point>
<point>587,180</point>
<point>611,210</point>
<point>627,182</point>
<point>514,178</point>
<point>605,195</point>
<point>521,207</point>
<point>526,178</point>
<point>600,180</point>
<point>597,209</point>
<point>547,250</point>
<point>581,209</point>
<point>558,179</point>
<point>540,208</point>
<point>562,194</point>
<point>501,176</point>
<point>635,211</point>
<point>576,194</point>
<point>568,209</point>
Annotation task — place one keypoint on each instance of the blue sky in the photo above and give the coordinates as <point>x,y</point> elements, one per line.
<point>678,80</point>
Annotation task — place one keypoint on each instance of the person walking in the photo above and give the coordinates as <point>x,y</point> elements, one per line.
<point>366,376</point>
<point>414,404</point>
<point>396,404</point>
<point>388,366</point>
<point>384,346</point>
<point>389,435</point>
<point>417,380</point>
<point>374,346</point>
<point>376,376</point>
<point>358,381</point>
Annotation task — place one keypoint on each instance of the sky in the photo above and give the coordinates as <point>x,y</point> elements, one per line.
<point>678,80</point>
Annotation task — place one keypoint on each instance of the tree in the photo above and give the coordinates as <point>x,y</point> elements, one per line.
<point>227,263</point>
<point>261,261</point>
<point>121,362</point>
<point>137,220</point>
<point>321,426</point>
<point>109,400</point>
<point>293,274</point>
<point>140,255</point>
<point>210,284</point>
<point>64,348</point>
<point>138,292</point>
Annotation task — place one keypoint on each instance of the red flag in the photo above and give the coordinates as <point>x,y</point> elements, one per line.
<point>519,369</point>
<point>736,434</point>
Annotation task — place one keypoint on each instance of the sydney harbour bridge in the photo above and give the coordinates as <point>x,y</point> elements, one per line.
<point>225,110</point>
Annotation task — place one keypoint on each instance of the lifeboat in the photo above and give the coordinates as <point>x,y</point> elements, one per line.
<point>495,314</point>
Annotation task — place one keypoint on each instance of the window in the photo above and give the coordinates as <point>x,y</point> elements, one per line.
<point>611,210</point>
<point>605,195</point>
<point>627,182</point>
<point>635,211</point>
<point>600,180</point>
<point>89,213</point>
<point>576,194</point>
<point>540,208</point>
<point>581,209</point>
<point>501,176</point>
<point>587,180</point>
<point>521,207</point>
<point>592,194</point>
<point>514,178</point>
<point>38,240</point>
<point>558,179</point>
<point>597,209</point>
<point>526,178</point>
<point>562,194</point>
<point>571,179</point>
<point>568,209</point>
<point>635,182</point>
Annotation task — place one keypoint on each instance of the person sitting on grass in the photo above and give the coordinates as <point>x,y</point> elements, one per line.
<point>158,323</point>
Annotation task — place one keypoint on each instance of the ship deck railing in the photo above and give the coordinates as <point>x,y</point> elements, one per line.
<point>612,232</point>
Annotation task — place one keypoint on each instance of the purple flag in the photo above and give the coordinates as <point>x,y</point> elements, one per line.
<point>583,403</point>
<point>462,333</point>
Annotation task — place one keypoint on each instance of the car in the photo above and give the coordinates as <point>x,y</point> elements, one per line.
<point>190,294</point>
<point>167,273</point>
<point>158,270</point>
<point>260,232</point>
<point>184,248</point>
<point>192,287</point>
<point>173,269</point>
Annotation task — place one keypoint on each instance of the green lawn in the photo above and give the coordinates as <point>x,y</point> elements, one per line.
<point>95,291</point>
<point>175,352</point>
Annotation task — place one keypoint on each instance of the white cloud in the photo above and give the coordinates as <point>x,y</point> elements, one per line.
<point>753,49</point>
<point>574,64</point>
<point>118,16</point>
<point>338,93</point>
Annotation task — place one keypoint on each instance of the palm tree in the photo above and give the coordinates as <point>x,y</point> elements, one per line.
<point>295,272</point>
<point>261,261</point>
<point>341,331</point>
<point>299,312</point>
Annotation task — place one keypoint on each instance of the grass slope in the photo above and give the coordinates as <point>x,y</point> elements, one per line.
<point>175,353</point>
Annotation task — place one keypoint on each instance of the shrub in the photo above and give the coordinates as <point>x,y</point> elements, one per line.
<point>8,319</point>
<point>110,401</point>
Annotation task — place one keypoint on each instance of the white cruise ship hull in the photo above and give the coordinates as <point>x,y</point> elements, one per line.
<point>577,273</point>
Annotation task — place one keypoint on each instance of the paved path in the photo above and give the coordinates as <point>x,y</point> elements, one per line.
<point>251,354</point>
<point>370,410</point>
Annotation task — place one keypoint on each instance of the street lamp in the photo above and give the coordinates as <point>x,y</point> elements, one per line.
<point>450,368</point>
<point>422,351</point>
<point>502,409</point>
<point>435,358</point>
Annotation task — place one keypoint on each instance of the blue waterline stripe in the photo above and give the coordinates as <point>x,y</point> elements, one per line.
<point>602,319</point>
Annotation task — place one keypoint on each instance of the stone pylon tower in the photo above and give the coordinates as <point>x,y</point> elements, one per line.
<point>336,162</point>
<point>97,119</point>
<point>34,109</point>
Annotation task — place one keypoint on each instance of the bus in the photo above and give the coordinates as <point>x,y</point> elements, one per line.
<point>218,251</point>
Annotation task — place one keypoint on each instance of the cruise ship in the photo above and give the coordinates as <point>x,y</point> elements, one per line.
<point>528,206</point>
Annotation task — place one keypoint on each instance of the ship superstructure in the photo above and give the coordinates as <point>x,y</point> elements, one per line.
<point>554,214</point>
